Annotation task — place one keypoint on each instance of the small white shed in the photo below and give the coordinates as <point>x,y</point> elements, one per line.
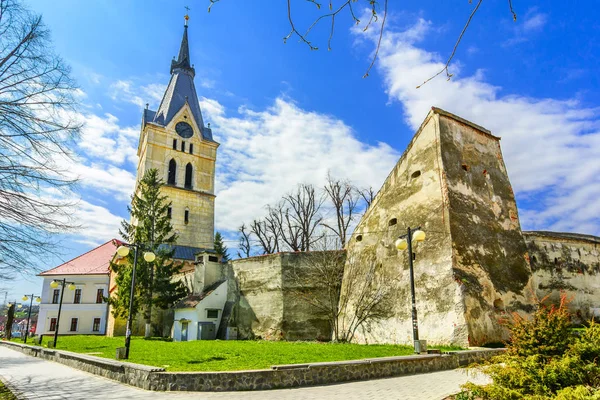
<point>197,317</point>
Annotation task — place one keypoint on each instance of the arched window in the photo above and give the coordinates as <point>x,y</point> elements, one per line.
<point>172,170</point>
<point>188,176</point>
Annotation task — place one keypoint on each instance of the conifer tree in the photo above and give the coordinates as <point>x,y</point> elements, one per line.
<point>220,247</point>
<point>151,228</point>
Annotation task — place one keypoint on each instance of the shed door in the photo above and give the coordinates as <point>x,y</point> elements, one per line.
<point>206,331</point>
<point>184,331</point>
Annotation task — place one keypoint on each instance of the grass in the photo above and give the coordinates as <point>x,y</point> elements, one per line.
<point>6,394</point>
<point>217,355</point>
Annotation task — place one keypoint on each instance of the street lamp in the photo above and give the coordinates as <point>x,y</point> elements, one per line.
<point>123,251</point>
<point>402,243</point>
<point>37,300</point>
<point>54,284</point>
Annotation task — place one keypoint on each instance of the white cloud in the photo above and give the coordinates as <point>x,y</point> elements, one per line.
<point>551,146</point>
<point>264,154</point>
<point>98,224</point>
<point>532,23</point>
<point>130,92</point>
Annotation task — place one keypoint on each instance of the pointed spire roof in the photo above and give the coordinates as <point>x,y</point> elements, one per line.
<point>180,91</point>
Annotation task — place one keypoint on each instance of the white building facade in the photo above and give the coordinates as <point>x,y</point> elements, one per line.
<point>84,308</point>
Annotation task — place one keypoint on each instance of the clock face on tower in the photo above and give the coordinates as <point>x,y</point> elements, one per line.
<point>184,130</point>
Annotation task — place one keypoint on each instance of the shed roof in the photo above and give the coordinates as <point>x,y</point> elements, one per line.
<point>192,300</point>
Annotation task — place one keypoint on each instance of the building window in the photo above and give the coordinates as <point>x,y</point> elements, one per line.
<point>96,325</point>
<point>73,325</point>
<point>186,216</point>
<point>183,146</point>
<point>174,144</point>
<point>172,170</point>
<point>99,296</point>
<point>191,148</point>
<point>52,324</point>
<point>212,313</point>
<point>77,298</point>
<point>169,211</point>
<point>213,258</point>
<point>55,296</point>
<point>188,176</point>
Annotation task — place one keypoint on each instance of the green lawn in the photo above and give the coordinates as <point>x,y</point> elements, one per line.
<point>216,355</point>
<point>6,394</point>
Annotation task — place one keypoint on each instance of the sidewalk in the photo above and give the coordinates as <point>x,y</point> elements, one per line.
<point>34,378</point>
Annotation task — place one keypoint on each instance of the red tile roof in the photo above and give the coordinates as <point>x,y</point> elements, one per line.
<point>94,262</point>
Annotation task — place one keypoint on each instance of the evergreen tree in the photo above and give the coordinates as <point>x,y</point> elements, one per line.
<point>151,228</point>
<point>220,247</point>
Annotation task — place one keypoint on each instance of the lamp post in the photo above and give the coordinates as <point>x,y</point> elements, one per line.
<point>149,256</point>
<point>37,300</point>
<point>54,284</point>
<point>402,243</point>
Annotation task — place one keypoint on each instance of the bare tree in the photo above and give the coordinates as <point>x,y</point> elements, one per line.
<point>318,283</point>
<point>342,195</point>
<point>367,295</point>
<point>368,195</point>
<point>376,9</point>
<point>265,238</point>
<point>303,212</point>
<point>350,292</point>
<point>37,100</point>
<point>245,246</point>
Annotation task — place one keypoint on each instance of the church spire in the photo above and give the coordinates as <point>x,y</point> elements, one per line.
<point>180,91</point>
<point>183,60</point>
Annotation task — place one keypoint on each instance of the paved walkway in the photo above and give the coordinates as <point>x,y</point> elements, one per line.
<point>34,378</point>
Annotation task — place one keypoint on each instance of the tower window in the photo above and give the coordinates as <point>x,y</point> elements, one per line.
<point>174,144</point>
<point>182,146</point>
<point>169,210</point>
<point>186,216</point>
<point>191,148</point>
<point>172,170</point>
<point>188,176</point>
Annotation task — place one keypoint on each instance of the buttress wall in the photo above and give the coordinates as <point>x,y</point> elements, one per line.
<point>490,261</point>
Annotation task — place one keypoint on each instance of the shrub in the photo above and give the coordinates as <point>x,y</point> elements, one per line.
<point>543,360</point>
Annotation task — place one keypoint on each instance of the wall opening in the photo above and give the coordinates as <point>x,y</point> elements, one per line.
<point>359,238</point>
<point>186,216</point>
<point>174,144</point>
<point>172,170</point>
<point>498,304</point>
<point>188,176</point>
<point>466,167</point>
<point>416,174</point>
<point>393,222</point>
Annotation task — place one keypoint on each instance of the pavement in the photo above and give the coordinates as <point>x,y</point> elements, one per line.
<point>35,378</point>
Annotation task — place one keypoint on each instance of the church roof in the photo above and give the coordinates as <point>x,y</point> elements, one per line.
<point>186,252</point>
<point>181,90</point>
<point>94,262</point>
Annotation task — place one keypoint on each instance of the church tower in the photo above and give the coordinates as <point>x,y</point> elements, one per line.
<point>175,141</point>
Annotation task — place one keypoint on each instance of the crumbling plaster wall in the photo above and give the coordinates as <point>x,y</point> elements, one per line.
<point>413,195</point>
<point>489,252</point>
<point>567,263</point>
<point>267,306</point>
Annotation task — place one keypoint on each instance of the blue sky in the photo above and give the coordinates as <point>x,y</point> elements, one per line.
<point>285,114</point>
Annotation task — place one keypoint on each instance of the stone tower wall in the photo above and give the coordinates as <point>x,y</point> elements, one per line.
<point>489,252</point>
<point>412,195</point>
<point>156,150</point>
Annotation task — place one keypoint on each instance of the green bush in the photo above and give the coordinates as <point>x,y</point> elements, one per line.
<point>543,361</point>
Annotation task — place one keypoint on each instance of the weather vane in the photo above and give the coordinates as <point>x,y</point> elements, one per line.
<point>186,17</point>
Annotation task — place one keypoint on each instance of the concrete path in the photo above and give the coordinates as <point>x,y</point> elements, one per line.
<point>34,378</point>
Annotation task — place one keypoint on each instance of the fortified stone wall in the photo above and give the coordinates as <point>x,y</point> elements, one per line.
<point>567,263</point>
<point>268,306</point>
<point>451,181</point>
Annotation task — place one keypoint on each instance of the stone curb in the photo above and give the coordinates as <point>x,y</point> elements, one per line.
<point>278,377</point>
